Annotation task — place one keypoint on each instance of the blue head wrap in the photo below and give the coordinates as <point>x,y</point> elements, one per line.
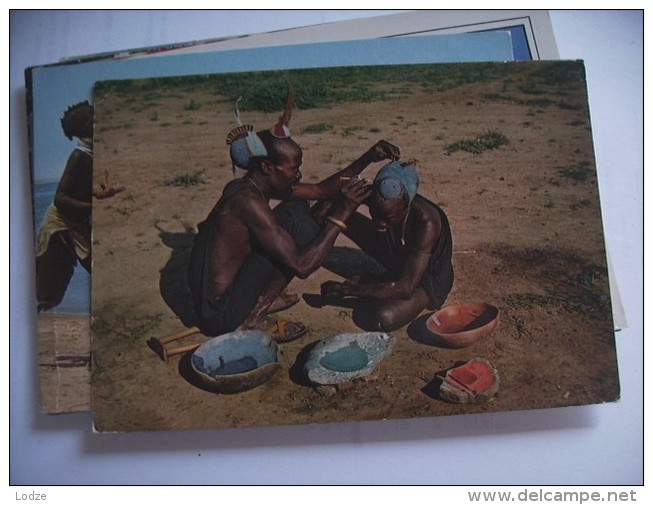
<point>245,145</point>
<point>398,178</point>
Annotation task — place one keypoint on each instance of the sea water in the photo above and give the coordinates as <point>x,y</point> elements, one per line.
<point>77,299</point>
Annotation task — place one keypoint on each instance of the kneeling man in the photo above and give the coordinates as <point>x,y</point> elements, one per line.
<point>410,236</point>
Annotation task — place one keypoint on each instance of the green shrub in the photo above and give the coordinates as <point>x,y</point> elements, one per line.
<point>186,180</point>
<point>579,172</point>
<point>318,128</point>
<point>486,141</point>
<point>193,105</point>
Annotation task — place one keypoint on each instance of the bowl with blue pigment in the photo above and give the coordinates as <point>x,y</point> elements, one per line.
<point>342,358</point>
<point>236,361</point>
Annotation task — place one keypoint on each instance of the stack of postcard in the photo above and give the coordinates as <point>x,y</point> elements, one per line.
<point>240,232</point>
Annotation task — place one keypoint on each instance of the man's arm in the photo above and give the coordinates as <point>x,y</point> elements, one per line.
<point>73,195</point>
<point>401,289</point>
<point>280,246</point>
<point>333,185</point>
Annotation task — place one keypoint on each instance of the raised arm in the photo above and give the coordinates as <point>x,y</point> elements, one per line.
<point>282,248</point>
<point>332,185</point>
<point>73,195</point>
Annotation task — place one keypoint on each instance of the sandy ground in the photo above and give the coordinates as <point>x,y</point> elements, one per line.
<point>527,238</point>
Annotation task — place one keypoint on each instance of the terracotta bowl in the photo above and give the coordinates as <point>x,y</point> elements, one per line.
<point>236,361</point>
<point>459,326</point>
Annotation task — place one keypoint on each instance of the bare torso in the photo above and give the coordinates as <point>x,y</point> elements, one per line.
<point>74,193</point>
<point>232,240</point>
<point>423,225</point>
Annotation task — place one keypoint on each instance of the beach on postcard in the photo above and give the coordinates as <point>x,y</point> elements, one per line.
<point>505,149</point>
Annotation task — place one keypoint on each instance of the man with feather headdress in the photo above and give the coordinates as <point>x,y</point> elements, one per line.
<point>245,252</point>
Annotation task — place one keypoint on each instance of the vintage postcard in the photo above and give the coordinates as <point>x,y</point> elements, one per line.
<point>530,30</point>
<point>56,96</point>
<point>453,262</point>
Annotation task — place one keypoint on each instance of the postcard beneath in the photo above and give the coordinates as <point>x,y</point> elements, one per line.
<point>56,94</point>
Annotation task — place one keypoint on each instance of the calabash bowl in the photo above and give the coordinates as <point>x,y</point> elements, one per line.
<point>341,358</point>
<point>236,361</point>
<point>458,326</point>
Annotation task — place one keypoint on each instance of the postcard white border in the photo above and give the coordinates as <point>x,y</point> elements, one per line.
<point>585,445</point>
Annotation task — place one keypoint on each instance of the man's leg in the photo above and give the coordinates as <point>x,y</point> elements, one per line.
<point>260,281</point>
<point>54,269</point>
<point>294,217</point>
<point>382,315</point>
<point>389,315</point>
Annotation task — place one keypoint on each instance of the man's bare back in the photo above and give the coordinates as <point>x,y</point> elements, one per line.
<point>232,241</point>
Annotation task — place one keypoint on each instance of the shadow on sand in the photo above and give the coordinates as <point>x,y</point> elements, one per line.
<point>173,281</point>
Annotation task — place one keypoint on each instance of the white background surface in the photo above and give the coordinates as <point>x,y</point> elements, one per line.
<point>601,444</point>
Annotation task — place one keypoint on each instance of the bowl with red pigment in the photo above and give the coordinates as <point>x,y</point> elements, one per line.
<point>475,381</point>
<point>458,326</point>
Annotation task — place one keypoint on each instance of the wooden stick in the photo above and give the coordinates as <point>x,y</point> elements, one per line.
<point>159,345</point>
<point>181,334</point>
<point>164,353</point>
<point>181,350</point>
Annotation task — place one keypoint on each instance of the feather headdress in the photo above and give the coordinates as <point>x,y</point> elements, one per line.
<point>245,144</point>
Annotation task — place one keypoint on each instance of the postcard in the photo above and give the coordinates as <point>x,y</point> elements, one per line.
<point>530,31</point>
<point>394,241</point>
<point>53,90</point>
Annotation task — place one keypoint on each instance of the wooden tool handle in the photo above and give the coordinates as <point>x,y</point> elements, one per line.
<point>181,350</point>
<point>176,336</point>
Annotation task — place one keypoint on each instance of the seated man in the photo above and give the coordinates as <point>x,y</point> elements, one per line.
<point>411,238</point>
<point>246,253</point>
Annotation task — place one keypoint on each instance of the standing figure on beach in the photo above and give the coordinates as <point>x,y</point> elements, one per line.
<point>64,238</point>
<point>246,253</point>
<point>409,236</point>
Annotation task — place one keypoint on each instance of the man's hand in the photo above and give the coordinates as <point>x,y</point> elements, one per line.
<point>355,193</point>
<point>383,150</point>
<point>333,289</point>
<point>108,192</point>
